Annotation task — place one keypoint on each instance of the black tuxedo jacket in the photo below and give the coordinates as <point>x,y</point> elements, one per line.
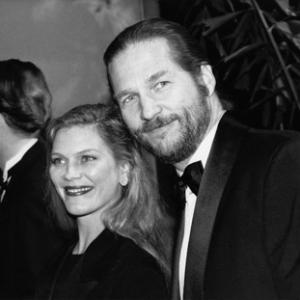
<point>112,267</point>
<point>252,179</point>
<point>27,234</point>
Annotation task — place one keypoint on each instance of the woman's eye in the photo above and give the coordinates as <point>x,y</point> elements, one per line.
<point>87,158</point>
<point>56,161</point>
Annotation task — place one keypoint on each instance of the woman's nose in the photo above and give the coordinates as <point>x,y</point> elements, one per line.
<point>72,171</point>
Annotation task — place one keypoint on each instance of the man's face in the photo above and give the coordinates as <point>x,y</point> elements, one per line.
<point>162,104</point>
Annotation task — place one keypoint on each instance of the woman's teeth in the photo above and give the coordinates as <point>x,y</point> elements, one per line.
<point>77,191</point>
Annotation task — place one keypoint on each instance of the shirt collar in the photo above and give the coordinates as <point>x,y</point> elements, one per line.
<point>17,157</point>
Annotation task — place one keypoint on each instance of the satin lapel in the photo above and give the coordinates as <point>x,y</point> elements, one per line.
<point>217,170</point>
<point>175,294</point>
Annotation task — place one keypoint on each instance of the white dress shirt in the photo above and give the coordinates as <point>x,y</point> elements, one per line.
<point>15,159</point>
<point>201,154</point>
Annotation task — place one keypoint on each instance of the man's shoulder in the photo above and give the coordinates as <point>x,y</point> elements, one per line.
<point>260,136</point>
<point>273,139</point>
<point>33,163</point>
<point>29,176</point>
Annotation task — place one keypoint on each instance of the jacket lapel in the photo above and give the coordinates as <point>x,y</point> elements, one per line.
<point>17,173</point>
<point>175,268</point>
<point>219,165</point>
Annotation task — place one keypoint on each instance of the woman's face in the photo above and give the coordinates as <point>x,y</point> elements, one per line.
<point>84,171</point>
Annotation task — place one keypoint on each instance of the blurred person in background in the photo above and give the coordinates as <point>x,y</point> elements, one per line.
<point>28,236</point>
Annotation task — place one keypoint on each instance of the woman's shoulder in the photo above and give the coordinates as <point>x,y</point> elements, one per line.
<point>129,250</point>
<point>132,258</point>
<point>134,274</point>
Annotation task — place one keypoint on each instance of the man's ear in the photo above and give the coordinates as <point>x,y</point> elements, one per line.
<point>2,120</point>
<point>207,78</point>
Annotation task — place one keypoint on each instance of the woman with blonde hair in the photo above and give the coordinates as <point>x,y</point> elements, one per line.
<point>105,197</point>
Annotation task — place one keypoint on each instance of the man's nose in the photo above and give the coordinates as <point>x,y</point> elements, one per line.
<point>150,107</point>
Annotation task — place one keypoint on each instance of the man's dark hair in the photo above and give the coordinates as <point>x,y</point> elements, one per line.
<point>185,49</point>
<point>25,99</point>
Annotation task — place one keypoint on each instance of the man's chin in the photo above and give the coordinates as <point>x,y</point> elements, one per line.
<point>161,151</point>
<point>168,152</point>
<point>155,147</point>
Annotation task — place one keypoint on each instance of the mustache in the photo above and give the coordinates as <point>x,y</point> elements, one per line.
<point>157,122</point>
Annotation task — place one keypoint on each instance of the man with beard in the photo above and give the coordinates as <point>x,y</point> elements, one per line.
<point>240,231</point>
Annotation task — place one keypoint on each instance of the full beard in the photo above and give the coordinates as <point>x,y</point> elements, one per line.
<point>193,123</point>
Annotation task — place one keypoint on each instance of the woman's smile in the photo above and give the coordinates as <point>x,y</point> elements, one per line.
<point>74,191</point>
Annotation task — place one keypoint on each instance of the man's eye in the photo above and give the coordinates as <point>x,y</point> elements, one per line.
<point>161,84</point>
<point>57,161</point>
<point>87,158</point>
<point>128,99</point>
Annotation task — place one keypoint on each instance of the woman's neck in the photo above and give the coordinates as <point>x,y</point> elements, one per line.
<point>88,230</point>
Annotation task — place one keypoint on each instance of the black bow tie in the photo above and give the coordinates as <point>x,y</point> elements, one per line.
<point>3,186</point>
<point>192,176</point>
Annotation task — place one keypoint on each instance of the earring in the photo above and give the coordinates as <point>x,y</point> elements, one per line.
<point>124,180</point>
<point>124,174</point>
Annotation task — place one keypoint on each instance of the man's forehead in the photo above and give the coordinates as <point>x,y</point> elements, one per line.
<point>143,45</point>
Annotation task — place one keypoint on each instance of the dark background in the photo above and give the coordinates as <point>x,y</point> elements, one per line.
<point>254,47</point>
